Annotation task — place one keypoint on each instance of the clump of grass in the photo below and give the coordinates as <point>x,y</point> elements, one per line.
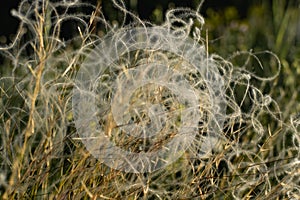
<point>43,155</point>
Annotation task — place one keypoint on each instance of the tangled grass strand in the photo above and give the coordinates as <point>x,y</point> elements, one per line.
<point>143,112</point>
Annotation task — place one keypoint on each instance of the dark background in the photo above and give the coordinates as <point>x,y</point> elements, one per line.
<point>144,8</point>
<point>8,23</point>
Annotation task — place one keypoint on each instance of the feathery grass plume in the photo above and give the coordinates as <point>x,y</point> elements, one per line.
<point>144,112</point>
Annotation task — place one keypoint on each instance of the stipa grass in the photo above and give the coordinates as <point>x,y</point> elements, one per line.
<point>43,156</point>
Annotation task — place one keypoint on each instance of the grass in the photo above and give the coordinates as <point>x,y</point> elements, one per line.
<point>43,157</point>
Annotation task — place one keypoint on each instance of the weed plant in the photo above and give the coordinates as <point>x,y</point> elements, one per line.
<point>256,156</point>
